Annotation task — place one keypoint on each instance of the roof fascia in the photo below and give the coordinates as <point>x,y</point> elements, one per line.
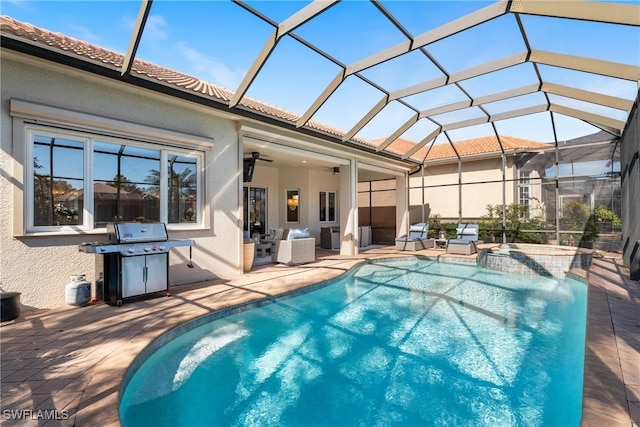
<point>32,50</point>
<point>269,133</point>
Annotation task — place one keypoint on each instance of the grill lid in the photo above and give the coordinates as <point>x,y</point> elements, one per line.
<point>133,232</point>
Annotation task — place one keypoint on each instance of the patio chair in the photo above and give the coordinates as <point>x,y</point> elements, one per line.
<point>416,240</point>
<point>298,247</point>
<point>330,238</point>
<point>466,240</point>
<point>274,235</point>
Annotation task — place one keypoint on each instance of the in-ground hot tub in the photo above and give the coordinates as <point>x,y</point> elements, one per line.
<point>532,259</point>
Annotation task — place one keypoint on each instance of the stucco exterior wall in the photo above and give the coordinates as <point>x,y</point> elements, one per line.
<point>481,186</point>
<point>294,179</point>
<point>445,200</point>
<point>310,182</point>
<point>322,181</point>
<point>630,187</point>
<point>40,266</point>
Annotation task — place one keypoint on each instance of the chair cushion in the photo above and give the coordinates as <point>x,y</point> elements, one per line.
<point>297,233</point>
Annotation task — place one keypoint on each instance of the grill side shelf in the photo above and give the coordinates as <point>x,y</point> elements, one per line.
<point>98,248</point>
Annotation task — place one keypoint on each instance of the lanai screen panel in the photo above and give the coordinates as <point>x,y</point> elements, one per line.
<point>375,72</point>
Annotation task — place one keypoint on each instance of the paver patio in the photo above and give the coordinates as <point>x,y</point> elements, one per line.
<point>69,362</point>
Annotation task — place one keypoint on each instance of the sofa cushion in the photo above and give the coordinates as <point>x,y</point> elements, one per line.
<point>297,233</point>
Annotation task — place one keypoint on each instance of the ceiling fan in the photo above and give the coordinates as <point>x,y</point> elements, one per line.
<point>255,155</point>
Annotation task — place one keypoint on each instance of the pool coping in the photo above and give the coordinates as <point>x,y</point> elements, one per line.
<point>76,359</point>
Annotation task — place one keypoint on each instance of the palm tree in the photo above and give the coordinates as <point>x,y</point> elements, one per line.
<point>181,191</point>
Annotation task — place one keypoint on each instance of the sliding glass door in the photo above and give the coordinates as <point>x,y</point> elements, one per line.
<point>255,210</point>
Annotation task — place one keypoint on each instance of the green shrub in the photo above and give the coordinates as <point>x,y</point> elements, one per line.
<point>517,218</point>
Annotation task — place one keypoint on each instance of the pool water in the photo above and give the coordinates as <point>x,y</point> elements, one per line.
<point>408,342</point>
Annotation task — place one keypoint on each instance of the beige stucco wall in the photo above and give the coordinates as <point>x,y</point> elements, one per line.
<point>441,192</point>
<point>40,267</point>
<point>309,181</point>
<point>322,181</point>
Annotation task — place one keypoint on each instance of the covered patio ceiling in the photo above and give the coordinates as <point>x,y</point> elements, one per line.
<point>397,78</point>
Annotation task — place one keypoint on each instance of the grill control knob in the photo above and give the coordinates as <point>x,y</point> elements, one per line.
<point>131,250</point>
<point>147,249</point>
<point>161,248</point>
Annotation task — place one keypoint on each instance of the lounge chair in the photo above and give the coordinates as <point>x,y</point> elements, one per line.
<point>416,240</point>
<point>466,240</point>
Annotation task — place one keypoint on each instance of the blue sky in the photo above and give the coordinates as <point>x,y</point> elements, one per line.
<point>218,41</point>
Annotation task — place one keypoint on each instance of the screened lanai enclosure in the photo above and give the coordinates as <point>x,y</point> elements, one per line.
<point>567,194</point>
<point>518,115</point>
<point>547,87</point>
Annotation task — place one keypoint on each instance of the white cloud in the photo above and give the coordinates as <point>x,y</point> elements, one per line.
<point>83,33</point>
<point>155,28</point>
<point>210,69</point>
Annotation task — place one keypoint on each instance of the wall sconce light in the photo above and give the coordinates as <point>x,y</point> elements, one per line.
<point>336,170</point>
<point>292,202</point>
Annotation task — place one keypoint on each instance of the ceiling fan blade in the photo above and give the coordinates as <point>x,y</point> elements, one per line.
<point>256,155</point>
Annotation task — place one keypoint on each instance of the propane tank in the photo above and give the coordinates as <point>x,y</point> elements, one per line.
<point>78,291</point>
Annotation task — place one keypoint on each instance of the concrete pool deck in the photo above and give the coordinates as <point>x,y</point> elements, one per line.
<point>69,362</point>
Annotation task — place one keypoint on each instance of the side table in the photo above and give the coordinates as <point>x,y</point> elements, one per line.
<point>262,248</point>
<point>441,243</point>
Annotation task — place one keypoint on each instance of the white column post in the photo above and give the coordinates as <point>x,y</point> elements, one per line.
<point>349,208</point>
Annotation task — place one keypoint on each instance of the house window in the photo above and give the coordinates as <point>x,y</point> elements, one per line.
<point>327,206</point>
<point>80,181</point>
<point>523,187</point>
<point>293,205</point>
<point>182,178</point>
<point>58,180</point>
<point>126,183</point>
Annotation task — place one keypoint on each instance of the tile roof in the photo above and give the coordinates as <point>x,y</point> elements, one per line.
<point>113,60</point>
<point>107,58</point>
<point>468,147</point>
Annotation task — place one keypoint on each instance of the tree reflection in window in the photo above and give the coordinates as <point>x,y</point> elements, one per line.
<point>182,197</point>
<point>125,187</point>
<point>58,171</point>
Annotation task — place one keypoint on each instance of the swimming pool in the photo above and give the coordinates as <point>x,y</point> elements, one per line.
<point>398,342</point>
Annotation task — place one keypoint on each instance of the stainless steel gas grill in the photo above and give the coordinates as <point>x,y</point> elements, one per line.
<point>135,260</point>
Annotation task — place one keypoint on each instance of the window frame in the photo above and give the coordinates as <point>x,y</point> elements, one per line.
<point>29,205</point>
<point>295,195</point>
<point>87,139</point>
<point>326,194</point>
<point>164,207</point>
